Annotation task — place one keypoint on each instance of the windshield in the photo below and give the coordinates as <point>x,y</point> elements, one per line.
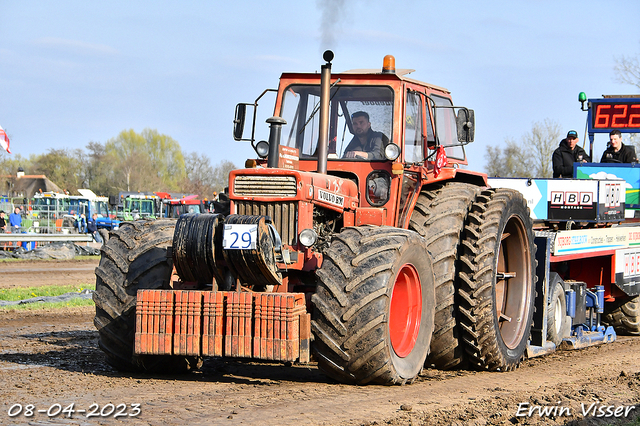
<point>446,128</point>
<point>50,207</point>
<point>78,207</point>
<point>360,121</point>
<point>100,207</point>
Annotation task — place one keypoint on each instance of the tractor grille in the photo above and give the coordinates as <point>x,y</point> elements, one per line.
<point>270,186</point>
<point>283,214</point>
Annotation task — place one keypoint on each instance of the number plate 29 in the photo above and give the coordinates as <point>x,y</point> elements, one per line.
<point>240,237</point>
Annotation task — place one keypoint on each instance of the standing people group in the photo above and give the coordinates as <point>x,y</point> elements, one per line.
<point>569,152</point>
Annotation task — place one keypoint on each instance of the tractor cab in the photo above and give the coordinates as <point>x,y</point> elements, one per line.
<point>387,133</point>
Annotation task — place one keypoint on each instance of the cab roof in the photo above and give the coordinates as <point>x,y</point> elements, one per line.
<point>400,74</point>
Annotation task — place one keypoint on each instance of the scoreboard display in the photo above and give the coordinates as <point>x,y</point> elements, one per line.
<point>611,113</point>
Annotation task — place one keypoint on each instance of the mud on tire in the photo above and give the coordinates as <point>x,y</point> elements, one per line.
<point>497,280</point>
<point>439,217</point>
<point>135,257</point>
<point>373,309</point>
<point>624,316</point>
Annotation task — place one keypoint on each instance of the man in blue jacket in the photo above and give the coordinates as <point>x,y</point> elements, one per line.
<point>15,220</point>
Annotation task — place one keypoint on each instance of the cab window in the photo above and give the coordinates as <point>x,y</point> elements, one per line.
<point>413,144</point>
<point>447,132</point>
<point>366,111</point>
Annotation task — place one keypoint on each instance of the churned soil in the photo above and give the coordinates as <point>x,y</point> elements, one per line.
<point>50,359</point>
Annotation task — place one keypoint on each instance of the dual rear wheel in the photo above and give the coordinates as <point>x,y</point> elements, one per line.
<point>497,280</point>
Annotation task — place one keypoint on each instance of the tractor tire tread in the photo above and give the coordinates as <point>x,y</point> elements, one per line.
<point>439,216</point>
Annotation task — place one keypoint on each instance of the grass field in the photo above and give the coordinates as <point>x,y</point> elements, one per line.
<point>30,292</point>
<point>47,260</point>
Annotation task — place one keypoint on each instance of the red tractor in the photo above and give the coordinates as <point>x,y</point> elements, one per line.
<point>357,237</point>
<point>173,207</point>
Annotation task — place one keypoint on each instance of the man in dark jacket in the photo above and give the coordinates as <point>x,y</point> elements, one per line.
<point>366,143</point>
<point>566,154</point>
<point>92,228</point>
<point>617,152</point>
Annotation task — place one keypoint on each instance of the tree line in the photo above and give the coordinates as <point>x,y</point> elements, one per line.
<point>146,161</point>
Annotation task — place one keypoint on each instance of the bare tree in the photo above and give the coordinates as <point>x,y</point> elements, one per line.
<point>62,166</point>
<point>199,175</point>
<point>627,70</point>
<point>541,142</point>
<point>509,161</point>
<point>529,157</point>
<point>221,175</point>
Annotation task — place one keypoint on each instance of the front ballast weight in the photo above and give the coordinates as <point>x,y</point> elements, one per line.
<point>248,324</point>
<point>270,326</point>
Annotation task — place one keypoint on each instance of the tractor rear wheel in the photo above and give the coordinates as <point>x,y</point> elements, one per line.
<point>497,280</point>
<point>439,217</point>
<point>135,257</point>
<point>373,309</point>
<point>624,316</point>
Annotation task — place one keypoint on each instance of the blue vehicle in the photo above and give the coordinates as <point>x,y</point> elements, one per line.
<point>89,203</point>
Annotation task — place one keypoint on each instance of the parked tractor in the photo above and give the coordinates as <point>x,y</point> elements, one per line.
<point>139,206</point>
<point>174,206</point>
<point>356,236</point>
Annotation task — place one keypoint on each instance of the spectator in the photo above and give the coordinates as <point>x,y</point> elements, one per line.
<point>92,228</point>
<point>3,222</point>
<point>566,154</point>
<point>617,152</point>
<point>15,220</point>
<point>82,224</point>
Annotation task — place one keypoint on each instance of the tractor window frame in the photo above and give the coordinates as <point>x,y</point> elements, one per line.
<point>302,116</point>
<point>446,130</point>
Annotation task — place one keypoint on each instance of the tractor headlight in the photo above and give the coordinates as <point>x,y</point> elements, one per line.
<point>392,151</point>
<point>262,149</point>
<point>308,237</point>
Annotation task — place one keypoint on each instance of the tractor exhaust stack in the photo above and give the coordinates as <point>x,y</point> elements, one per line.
<point>325,93</point>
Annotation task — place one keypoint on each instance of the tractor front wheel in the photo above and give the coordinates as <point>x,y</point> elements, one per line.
<point>374,306</point>
<point>134,258</point>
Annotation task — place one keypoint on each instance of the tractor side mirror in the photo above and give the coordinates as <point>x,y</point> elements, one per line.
<point>466,124</point>
<point>238,121</point>
<point>113,200</point>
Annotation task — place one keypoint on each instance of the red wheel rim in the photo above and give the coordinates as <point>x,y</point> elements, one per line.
<point>406,311</point>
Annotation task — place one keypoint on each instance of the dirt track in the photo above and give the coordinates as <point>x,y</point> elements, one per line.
<point>51,357</point>
<point>33,273</point>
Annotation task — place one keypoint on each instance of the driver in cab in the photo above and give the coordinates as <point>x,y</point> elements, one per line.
<point>366,143</point>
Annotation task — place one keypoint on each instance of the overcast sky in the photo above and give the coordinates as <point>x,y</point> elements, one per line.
<point>72,72</point>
